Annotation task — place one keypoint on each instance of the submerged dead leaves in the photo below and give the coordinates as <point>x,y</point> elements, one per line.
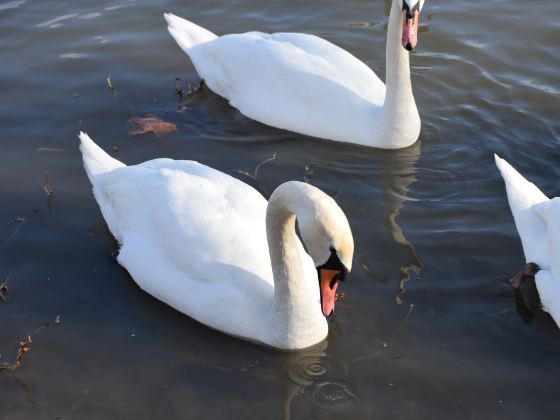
<point>150,123</point>
<point>189,90</point>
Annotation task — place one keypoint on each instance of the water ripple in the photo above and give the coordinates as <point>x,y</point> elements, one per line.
<point>119,6</point>
<point>436,184</point>
<point>57,20</point>
<point>323,381</point>
<point>90,15</point>
<point>311,367</point>
<point>12,5</point>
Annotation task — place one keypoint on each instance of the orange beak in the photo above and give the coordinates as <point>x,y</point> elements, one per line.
<point>328,283</point>
<point>410,30</point>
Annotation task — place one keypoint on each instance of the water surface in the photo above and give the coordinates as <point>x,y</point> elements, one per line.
<point>427,328</point>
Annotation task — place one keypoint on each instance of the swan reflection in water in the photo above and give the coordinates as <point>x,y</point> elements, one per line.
<point>395,173</point>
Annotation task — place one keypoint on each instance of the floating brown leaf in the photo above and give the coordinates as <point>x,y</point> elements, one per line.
<point>150,123</point>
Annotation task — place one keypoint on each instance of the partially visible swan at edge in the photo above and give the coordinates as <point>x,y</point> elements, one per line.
<point>303,83</point>
<point>211,247</point>
<point>537,219</point>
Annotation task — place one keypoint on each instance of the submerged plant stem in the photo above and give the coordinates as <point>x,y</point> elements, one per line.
<point>25,346</point>
<point>18,223</point>
<point>391,337</point>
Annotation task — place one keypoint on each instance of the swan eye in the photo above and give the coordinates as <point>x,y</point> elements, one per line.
<point>334,263</point>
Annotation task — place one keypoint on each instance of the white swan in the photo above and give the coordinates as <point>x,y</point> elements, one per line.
<point>538,222</point>
<point>305,84</point>
<point>209,246</point>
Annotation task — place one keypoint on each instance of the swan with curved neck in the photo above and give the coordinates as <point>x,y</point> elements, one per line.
<point>212,247</point>
<point>305,84</point>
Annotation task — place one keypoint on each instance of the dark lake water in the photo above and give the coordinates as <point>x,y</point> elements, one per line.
<point>427,328</point>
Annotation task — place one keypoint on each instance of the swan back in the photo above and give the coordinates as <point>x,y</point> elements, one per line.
<point>296,82</point>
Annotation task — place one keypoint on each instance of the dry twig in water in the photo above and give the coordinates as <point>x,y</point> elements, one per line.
<point>180,92</point>
<point>4,291</point>
<point>18,223</point>
<point>25,346</point>
<point>48,190</point>
<point>255,173</point>
<point>308,171</point>
<point>178,88</point>
<point>386,344</point>
<point>47,185</point>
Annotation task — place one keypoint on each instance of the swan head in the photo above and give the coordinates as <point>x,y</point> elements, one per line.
<point>328,239</point>
<point>410,12</point>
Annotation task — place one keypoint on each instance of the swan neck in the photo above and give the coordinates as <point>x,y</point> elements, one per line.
<point>283,247</point>
<point>400,123</point>
<point>295,317</point>
<point>397,58</point>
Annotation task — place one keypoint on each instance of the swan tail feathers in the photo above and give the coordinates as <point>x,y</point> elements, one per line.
<point>96,163</point>
<point>96,160</point>
<point>523,195</point>
<point>185,33</point>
